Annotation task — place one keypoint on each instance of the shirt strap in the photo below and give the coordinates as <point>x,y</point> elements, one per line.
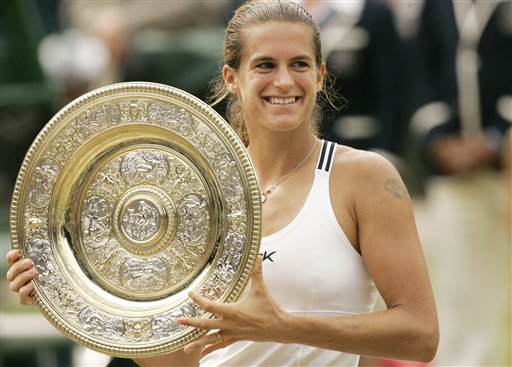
<point>326,155</point>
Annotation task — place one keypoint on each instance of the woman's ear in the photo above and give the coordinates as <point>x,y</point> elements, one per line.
<point>229,78</point>
<point>320,77</point>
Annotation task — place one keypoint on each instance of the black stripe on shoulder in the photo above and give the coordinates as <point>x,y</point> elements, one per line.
<point>330,155</point>
<point>322,155</point>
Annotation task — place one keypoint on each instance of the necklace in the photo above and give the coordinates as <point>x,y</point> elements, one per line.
<point>272,188</point>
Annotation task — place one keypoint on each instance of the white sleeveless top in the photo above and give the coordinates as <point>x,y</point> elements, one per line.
<point>309,267</point>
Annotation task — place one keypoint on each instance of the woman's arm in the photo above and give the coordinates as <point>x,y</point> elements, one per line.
<point>385,234</point>
<point>387,237</point>
<point>390,246</point>
<point>383,230</point>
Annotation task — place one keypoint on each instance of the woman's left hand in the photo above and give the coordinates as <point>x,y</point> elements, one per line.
<point>257,317</point>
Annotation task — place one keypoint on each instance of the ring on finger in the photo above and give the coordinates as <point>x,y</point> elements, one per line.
<point>220,339</point>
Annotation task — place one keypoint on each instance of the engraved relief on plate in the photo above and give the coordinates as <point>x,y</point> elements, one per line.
<point>45,174</point>
<point>145,223</point>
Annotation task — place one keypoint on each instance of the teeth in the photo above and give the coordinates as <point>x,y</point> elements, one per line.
<point>275,100</point>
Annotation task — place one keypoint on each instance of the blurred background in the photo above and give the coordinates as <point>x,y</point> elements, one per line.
<point>428,84</point>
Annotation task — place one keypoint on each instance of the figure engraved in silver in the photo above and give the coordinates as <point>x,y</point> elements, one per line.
<point>141,220</point>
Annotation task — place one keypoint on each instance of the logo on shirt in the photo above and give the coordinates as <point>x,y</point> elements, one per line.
<point>268,256</point>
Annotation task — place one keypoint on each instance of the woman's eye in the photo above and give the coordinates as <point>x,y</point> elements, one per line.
<point>266,65</point>
<point>300,64</point>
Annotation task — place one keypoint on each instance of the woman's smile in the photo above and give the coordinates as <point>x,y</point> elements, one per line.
<point>282,101</point>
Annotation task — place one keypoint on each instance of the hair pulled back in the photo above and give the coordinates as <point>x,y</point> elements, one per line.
<point>252,13</point>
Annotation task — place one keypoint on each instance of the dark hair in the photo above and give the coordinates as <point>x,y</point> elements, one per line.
<point>252,13</point>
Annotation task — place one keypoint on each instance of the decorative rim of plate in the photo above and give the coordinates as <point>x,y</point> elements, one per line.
<point>49,227</point>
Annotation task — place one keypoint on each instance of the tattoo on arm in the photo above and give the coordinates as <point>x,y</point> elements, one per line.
<point>396,188</point>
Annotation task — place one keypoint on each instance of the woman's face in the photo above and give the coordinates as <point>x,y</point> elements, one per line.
<point>278,78</point>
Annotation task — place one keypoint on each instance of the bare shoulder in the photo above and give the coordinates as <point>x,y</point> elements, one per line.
<point>362,171</point>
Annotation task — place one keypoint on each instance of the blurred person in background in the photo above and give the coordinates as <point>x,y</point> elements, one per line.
<point>104,42</point>
<point>463,115</point>
<point>364,53</point>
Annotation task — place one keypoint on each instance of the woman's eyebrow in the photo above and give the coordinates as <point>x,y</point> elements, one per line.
<point>262,58</point>
<point>302,57</point>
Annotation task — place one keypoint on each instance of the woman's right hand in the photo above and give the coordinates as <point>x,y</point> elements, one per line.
<point>20,276</point>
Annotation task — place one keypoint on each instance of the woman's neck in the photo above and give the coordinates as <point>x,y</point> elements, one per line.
<point>275,156</point>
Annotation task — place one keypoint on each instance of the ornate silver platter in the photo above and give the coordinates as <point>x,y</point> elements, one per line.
<point>129,198</point>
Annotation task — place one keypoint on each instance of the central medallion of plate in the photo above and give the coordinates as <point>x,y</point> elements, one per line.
<point>145,223</point>
<point>145,220</point>
<point>142,219</point>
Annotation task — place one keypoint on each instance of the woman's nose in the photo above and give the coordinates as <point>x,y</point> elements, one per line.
<point>283,79</point>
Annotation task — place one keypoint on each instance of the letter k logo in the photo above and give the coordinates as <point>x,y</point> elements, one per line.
<point>268,256</point>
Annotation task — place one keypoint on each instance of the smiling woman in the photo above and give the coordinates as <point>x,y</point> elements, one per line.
<point>277,78</point>
<point>240,36</point>
<point>337,223</point>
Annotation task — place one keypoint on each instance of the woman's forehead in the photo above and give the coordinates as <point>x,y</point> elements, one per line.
<point>273,28</point>
<point>279,37</point>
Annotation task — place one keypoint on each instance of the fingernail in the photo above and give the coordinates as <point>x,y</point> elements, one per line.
<point>28,263</point>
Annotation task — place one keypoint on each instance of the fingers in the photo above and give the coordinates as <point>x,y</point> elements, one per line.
<point>20,271</point>
<point>12,256</point>
<point>25,292</point>
<point>221,309</point>
<point>198,344</point>
<point>22,279</point>
<point>20,275</point>
<point>258,284</point>
<point>208,343</point>
<point>204,324</point>
<point>198,323</point>
<point>205,304</point>
<point>20,267</point>
<point>226,318</point>
<point>213,347</point>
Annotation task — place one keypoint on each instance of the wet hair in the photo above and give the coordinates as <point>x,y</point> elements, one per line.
<point>252,13</point>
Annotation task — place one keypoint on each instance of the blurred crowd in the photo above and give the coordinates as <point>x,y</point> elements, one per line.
<point>428,84</point>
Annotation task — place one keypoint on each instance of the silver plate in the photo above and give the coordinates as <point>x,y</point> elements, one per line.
<point>129,198</point>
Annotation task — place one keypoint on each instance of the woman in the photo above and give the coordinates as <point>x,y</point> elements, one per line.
<point>337,222</point>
